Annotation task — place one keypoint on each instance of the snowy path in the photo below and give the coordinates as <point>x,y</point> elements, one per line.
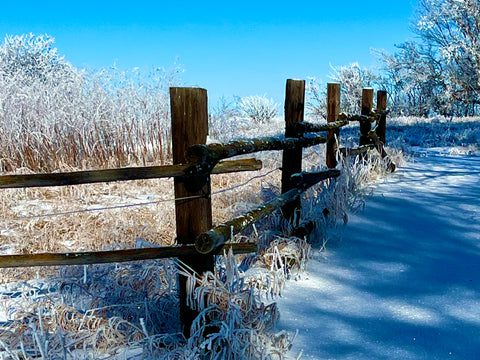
<point>404,283</point>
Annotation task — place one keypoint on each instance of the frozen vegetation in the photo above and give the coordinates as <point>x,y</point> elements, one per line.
<point>389,275</point>
<point>412,134</point>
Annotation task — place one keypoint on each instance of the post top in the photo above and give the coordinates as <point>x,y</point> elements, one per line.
<point>187,88</point>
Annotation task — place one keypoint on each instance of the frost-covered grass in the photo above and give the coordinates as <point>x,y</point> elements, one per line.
<point>83,122</point>
<point>131,311</point>
<point>54,116</point>
<point>459,134</point>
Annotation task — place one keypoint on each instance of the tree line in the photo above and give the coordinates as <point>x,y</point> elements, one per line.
<point>438,74</point>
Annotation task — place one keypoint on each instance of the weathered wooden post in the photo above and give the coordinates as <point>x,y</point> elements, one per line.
<point>292,159</point>
<point>382,121</point>
<point>333,110</point>
<point>189,113</point>
<point>366,126</point>
<point>378,135</point>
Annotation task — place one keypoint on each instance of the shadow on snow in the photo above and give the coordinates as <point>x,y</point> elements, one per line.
<point>405,281</point>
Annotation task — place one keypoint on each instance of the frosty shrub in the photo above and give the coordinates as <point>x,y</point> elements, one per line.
<point>316,103</point>
<point>225,122</point>
<point>439,72</point>
<point>258,108</point>
<point>244,118</point>
<point>54,116</point>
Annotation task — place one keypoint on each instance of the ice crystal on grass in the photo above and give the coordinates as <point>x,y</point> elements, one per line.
<point>54,116</point>
<point>234,321</point>
<point>110,309</point>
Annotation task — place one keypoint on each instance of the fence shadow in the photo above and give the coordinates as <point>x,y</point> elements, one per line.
<point>405,281</point>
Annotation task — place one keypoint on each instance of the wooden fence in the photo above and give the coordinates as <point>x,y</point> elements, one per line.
<point>193,163</point>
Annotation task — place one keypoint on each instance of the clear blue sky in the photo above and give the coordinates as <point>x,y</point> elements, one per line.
<point>229,47</point>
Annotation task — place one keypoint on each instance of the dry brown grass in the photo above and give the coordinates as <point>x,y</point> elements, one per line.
<point>28,224</point>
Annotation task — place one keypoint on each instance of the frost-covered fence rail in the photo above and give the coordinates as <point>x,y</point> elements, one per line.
<point>194,162</point>
<point>369,138</point>
<point>217,237</point>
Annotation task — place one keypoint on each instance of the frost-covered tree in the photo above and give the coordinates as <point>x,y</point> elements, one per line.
<point>415,80</point>
<point>316,98</point>
<point>34,58</point>
<point>441,72</point>
<point>353,79</point>
<point>453,28</point>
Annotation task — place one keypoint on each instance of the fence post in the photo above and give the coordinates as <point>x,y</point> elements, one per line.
<point>292,159</point>
<point>189,112</point>
<point>382,121</point>
<point>333,109</point>
<point>366,126</point>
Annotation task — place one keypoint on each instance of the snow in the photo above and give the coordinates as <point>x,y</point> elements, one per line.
<point>404,283</point>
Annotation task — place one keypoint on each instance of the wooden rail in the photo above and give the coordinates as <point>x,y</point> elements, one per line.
<point>305,127</point>
<point>206,154</point>
<point>194,162</point>
<point>102,257</point>
<point>122,174</point>
<point>218,236</point>
<point>371,117</point>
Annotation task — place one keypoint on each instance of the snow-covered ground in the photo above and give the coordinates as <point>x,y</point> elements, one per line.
<point>404,283</point>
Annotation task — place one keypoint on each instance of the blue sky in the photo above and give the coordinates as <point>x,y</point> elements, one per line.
<point>230,48</point>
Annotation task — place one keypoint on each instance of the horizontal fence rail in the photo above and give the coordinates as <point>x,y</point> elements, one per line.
<point>371,117</point>
<point>122,174</point>
<point>305,127</point>
<point>214,152</point>
<point>115,256</point>
<point>218,236</point>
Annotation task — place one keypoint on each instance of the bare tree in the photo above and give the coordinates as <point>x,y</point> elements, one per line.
<point>441,72</point>
<point>452,27</point>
